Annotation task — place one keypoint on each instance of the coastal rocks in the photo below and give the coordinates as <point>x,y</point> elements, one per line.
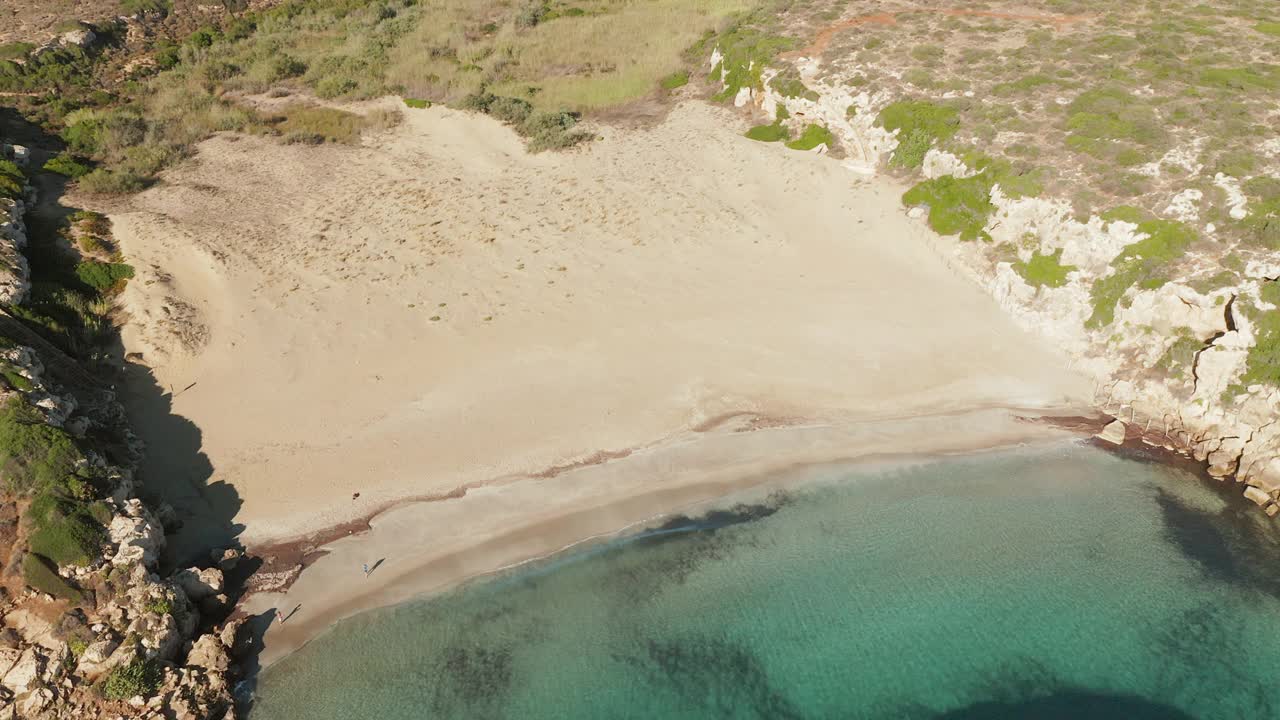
<point>1113,433</point>
<point>25,672</point>
<point>1257,495</point>
<point>272,581</point>
<point>199,584</point>
<point>940,162</point>
<point>138,535</point>
<point>209,653</point>
<point>15,273</point>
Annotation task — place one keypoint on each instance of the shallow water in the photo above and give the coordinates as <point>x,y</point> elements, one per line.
<point>1046,583</point>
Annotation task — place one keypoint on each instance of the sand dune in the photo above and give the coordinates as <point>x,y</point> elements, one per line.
<point>438,310</point>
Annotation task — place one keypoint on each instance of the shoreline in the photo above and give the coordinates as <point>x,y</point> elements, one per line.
<point>325,599</point>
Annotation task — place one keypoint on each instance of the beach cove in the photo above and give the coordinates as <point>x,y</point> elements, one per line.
<point>480,349</point>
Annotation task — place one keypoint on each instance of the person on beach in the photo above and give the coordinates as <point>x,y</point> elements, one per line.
<point>280,617</point>
<point>366,569</point>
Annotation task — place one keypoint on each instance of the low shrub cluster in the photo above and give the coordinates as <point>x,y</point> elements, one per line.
<point>812,137</point>
<point>103,277</point>
<point>66,164</point>
<point>1044,270</point>
<point>11,180</point>
<point>140,677</point>
<point>1144,263</point>
<point>920,124</point>
<point>544,130</point>
<point>1263,363</point>
<point>38,574</point>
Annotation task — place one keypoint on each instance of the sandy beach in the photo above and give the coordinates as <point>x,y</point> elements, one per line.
<point>438,313</point>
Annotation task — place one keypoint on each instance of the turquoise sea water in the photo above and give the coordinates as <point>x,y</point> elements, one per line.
<point>1047,583</point>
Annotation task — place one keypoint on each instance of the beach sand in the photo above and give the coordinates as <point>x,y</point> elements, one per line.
<point>437,312</point>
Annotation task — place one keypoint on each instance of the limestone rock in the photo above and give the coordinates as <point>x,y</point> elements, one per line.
<point>1113,433</point>
<point>226,560</point>
<point>37,701</point>
<point>138,535</point>
<point>199,584</point>
<point>79,37</point>
<point>210,654</point>
<point>25,671</point>
<point>8,656</point>
<point>1257,495</point>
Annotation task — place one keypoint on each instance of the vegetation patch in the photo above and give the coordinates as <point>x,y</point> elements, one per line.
<point>1144,263</point>
<point>140,678</point>
<point>963,205</point>
<point>12,180</point>
<point>919,124</point>
<point>675,80</point>
<point>1044,270</point>
<point>66,164</point>
<point>417,103</point>
<point>543,130</point>
<point>769,133</point>
<point>1180,358</point>
<point>33,455</point>
<point>1263,363</point>
<point>104,277</point>
<point>788,84</point>
<point>812,137</point>
<point>745,53</point>
<point>15,50</point>
<point>37,574</point>
<point>304,123</point>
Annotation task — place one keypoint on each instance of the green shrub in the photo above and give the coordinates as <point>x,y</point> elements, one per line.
<point>15,380</point>
<point>33,455</point>
<point>139,678</point>
<point>788,84</point>
<point>956,205</point>
<point>1126,213</point>
<point>1181,355</point>
<point>769,133</point>
<point>160,606</point>
<point>1143,263</point>
<point>37,573</point>
<point>1268,28</point>
<point>812,137</point>
<point>542,130</point>
<point>1044,270</point>
<point>675,80</point>
<point>66,164</point>
<point>133,7</point>
<point>417,103</point>
<point>66,529</point>
<point>1263,362</point>
<point>12,181</point>
<point>919,124</point>
<point>15,50</point>
<point>102,276</point>
<point>112,182</point>
<point>745,53</point>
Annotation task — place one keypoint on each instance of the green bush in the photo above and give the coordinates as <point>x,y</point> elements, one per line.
<point>812,137</point>
<point>417,103</point>
<point>37,573</point>
<point>102,276</point>
<point>12,181</point>
<point>66,164</point>
<point>1268,28</point>
<point>542,130</point>
<point>15,50</point>
<point>675,80</point>
<point>788,84</point>
<point>33,455</point>
<point>745,53</point>
<point>160,606</point>
<point>1044,270</point>
<point>956,205</point>
<point>139,678</point>
<point>769,133</point>
<point>1143,263</point>
<point>919,124</point>
<point>66,529</point>
<point>1263,362</point>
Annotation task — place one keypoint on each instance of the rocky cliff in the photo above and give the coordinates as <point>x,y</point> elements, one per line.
<point>90,626</point>
<point>1187,361</point>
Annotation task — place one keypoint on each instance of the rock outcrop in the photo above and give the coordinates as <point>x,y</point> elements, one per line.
<point>1170,362</point>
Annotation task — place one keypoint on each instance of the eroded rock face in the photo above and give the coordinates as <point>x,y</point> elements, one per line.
<point>139,537</point>
<point>199,584</point>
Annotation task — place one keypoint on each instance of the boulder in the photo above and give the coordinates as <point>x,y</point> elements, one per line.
<point>226,560</point>
<point>209,653</point>
<point>1257,495</point>
<point>199,584</point>
<point>138,535</point>
<point>1113,432</point>
<point>80,37</point>
<point>25,671</point>
<point>36,702</point>
<point>8,657</point>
